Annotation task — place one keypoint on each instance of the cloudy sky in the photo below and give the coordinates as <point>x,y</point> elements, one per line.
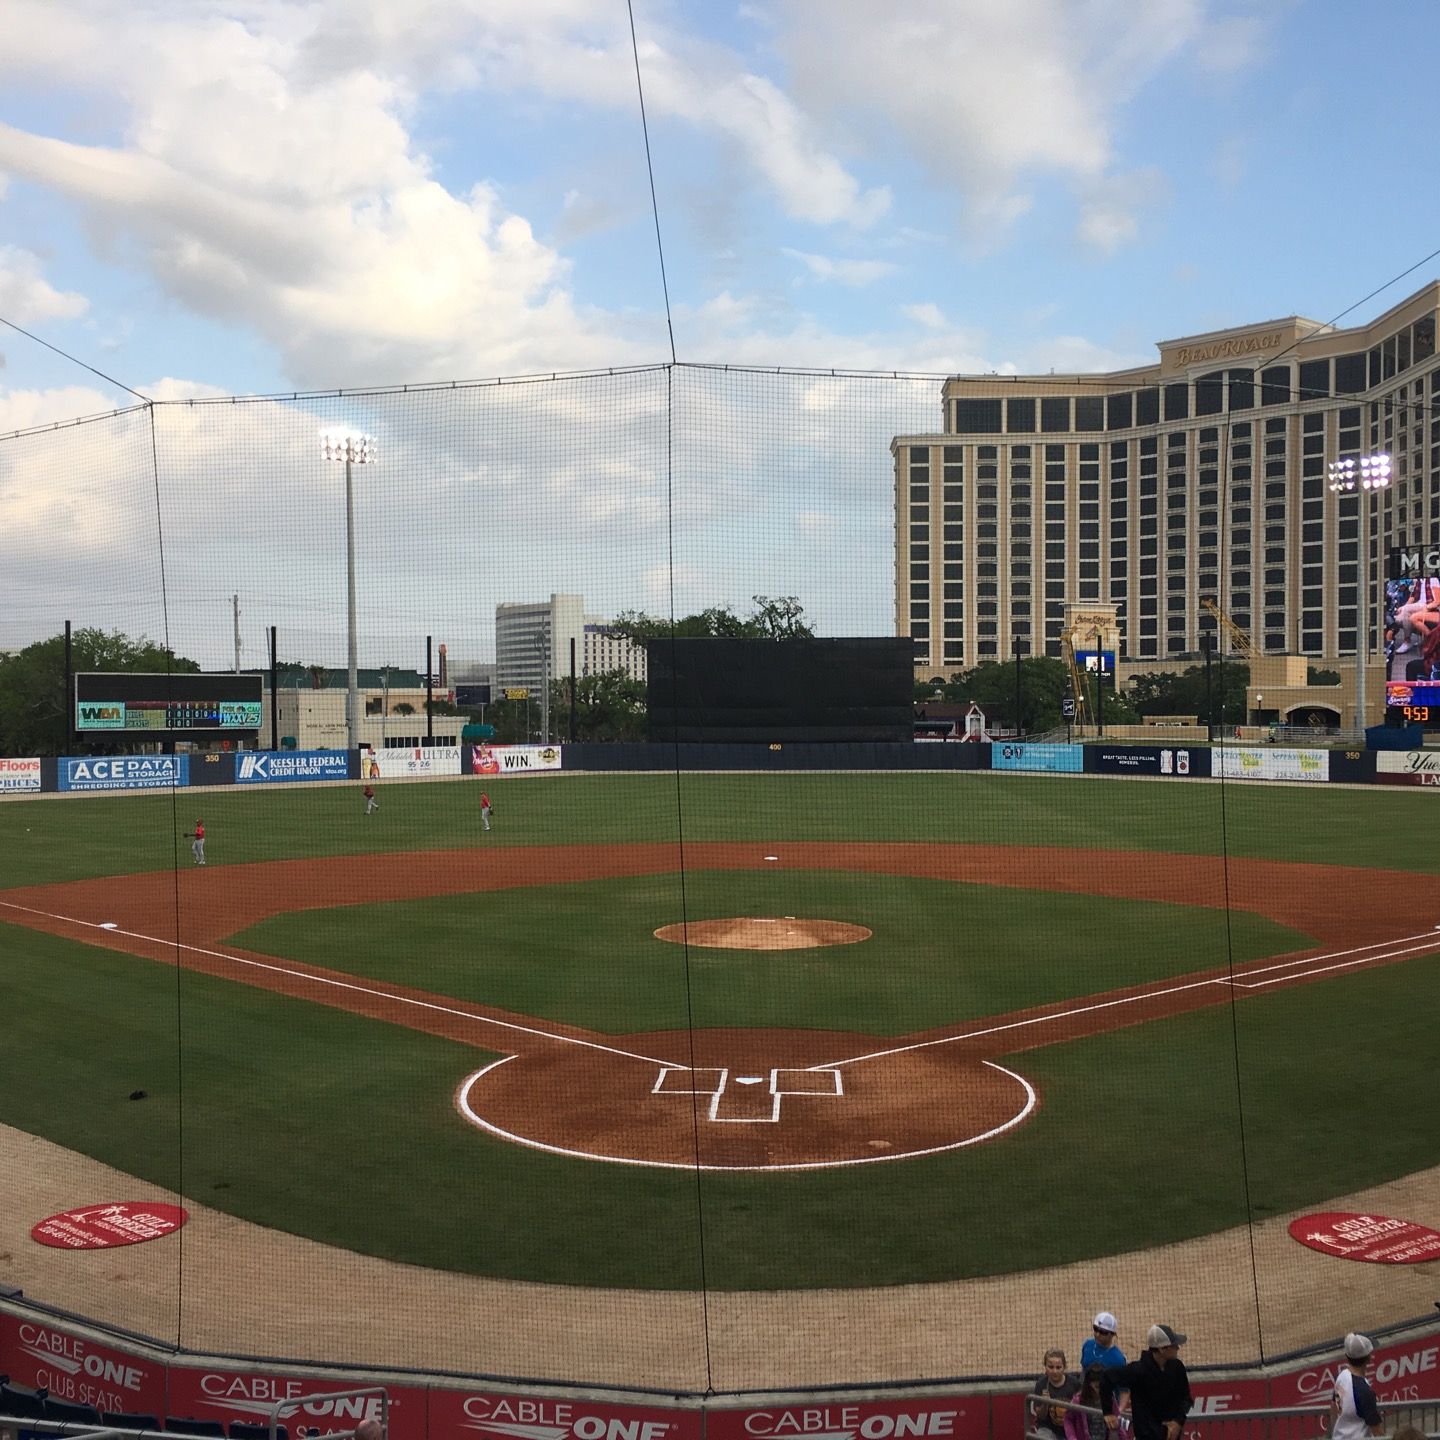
<point>262,196</point>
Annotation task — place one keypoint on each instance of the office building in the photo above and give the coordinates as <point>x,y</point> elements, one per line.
<point>532,639</point>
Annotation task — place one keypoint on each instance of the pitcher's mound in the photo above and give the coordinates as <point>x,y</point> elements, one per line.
<point>749,932</point>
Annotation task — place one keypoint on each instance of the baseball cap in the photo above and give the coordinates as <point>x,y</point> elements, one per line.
<point>1105,1321</point>
<point>1161,1335</point>
<point>1358,1347</point>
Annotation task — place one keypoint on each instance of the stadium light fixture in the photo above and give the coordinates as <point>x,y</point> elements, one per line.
<point>1367,475</point>
<point>354,449</point>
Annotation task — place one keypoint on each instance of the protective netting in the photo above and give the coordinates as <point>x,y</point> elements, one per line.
<point>688,1068</point>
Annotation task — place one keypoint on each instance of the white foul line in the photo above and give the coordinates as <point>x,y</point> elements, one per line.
<point>1388,954</point>
<point>110,929</point>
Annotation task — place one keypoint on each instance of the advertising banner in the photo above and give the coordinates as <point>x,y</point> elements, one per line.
<point>1407,1372</point>
<point>1230,762</point>
<point>1407,767</point>
<point>963,1416</point>
<point>1057,759</point>
<point>1171,761</point>
<point>270,767</point>
<point>225,1395</point>
<point>409,763</point>
<point>123,772</point>
<point>507,1416</point>
<point>80,1370</point>
<point>505,759</point>
<point>212,767</point>
<point>1214,1399</point>
<point>19,774</point>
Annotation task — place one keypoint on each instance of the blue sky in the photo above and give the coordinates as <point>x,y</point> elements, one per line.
<point>216,198</point>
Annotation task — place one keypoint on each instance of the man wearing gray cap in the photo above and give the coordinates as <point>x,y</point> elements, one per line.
<point>1352,1402</point>
<point>1159,1387</point>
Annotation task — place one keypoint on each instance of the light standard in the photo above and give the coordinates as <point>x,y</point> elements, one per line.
<point>1100,683</point>
<point>542,645</point>
<point>353,449</point>
<point>1367,474</point>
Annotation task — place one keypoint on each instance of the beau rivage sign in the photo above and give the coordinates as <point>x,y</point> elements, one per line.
<point>1236,348</point>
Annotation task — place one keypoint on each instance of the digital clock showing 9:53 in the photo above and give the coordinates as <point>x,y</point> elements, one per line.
<point>157,706</point>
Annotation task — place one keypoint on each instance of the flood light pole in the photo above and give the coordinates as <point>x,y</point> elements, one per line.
<point>353,449</point>
<point>1368,474</point>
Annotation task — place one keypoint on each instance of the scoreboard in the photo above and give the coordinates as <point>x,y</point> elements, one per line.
<point>144,706</point>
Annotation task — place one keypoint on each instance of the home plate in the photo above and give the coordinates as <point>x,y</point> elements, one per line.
<point>776,857</point>
<point>748,1079</point>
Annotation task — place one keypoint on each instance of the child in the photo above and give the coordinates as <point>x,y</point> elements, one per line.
<point>1079,1426</point>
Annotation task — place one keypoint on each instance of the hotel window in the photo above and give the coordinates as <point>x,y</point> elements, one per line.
<point>1177,401</point>
<point>1241,385</point>
<point>1089,412</point>
<point>1314,379</point>
<point>977,417</point>
<point>1147,407</point>
<point>1210,393</point>
<point>1020,416</point>
<point>1350,374</point>
<point>1055,412</point>
<point>1118,411</point>
<point>1275,385</point>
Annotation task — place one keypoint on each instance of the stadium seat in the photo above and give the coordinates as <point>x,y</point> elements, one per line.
<point>127,1420</point>
<point>244,1430</point>
<point>68,1410</point>
<point>189,1425</point>
<point>22,1403</point>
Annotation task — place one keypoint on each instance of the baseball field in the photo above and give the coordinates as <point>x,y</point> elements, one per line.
<point>732,1033</point>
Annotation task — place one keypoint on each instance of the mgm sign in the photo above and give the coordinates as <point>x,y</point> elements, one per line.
<point>1415,562</point>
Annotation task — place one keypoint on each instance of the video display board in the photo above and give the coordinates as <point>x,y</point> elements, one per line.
<point>1412,646</point>
<point>145,706</point>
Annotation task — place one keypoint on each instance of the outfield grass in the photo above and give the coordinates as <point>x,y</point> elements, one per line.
<point>75,837</point>
<point>940,952</point>
<point>284,1102</point>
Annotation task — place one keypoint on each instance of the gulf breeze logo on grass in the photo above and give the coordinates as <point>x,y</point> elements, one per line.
<point>101,1227</point>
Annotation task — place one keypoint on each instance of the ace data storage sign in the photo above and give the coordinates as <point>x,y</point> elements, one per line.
<point>123,772</point>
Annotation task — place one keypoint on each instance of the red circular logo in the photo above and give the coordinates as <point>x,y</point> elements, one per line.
<point>99,1227</point>
<point>1377,1239</point>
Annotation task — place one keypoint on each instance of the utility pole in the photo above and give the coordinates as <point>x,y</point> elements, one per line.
<point>235,604</point>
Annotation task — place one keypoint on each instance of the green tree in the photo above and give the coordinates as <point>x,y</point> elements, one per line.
<point>992,686</point>
<point>779,617</point>
<point>1164,692</point>
<point>33,702</point>
<point>608,706</point>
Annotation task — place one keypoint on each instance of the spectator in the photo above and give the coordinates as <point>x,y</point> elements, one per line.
<point>1353,1409</point>
<point>1078,1425</point>
<point>1101,1346</point>
<point>1159,1387</point>
<point>1054,1384</point>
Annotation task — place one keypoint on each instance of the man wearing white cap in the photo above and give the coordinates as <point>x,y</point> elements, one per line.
<point>1352,1402</point>
<point>1101,1348</point>
<point>1159,1387</point>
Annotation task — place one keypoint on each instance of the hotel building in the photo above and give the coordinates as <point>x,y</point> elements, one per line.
<point>1148,489</point>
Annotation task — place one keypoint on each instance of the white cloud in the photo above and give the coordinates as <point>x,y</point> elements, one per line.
<point>26,296</point>
<point>928,315</point>
<point>1110,208</point>
<point>826,268</point>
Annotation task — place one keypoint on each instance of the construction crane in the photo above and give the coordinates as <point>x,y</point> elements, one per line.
<point>1078,688</point>
<point>1238,637</point>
